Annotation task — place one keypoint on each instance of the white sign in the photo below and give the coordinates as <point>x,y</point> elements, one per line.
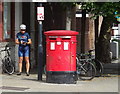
<point>52,46</point>
<point>40,13</point>
<point>66,45</point>
<point>39,0</point>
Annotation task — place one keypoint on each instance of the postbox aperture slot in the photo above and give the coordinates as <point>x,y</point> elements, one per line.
<point>66,38</point>
<point>52,38</point>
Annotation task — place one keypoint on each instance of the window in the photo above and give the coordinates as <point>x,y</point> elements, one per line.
<point>7,20</point>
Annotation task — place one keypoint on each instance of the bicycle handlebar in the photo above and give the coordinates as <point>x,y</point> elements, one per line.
<point>6,49</point>
<point>89,53</point>
<point>81,54</point>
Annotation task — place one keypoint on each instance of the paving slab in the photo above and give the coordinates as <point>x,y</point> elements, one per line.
<point>23,83</point>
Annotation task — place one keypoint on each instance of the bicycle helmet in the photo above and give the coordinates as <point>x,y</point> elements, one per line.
<point>22,26</point>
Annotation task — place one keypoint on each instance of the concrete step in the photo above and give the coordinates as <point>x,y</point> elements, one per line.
<point>111,68</point>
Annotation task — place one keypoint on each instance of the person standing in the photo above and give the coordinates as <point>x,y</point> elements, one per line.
<point>23,40</point>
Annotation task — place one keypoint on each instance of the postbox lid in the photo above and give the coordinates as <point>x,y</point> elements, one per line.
<point>61,32</point>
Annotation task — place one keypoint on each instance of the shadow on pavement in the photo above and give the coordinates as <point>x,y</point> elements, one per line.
<point>112,68</point>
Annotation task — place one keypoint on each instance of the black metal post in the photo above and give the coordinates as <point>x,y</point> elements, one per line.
<point>40,50</point>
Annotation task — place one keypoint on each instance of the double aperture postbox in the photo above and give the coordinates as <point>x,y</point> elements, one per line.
<point>61,56</point>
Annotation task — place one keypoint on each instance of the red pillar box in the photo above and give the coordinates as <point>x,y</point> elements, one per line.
<point>61,56</point>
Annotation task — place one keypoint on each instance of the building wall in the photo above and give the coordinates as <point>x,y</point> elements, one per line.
<point>78,29</point>
<point>32,34</point>
<point>1,25</point>
<point>9,41</point>
<point>89,34</point>
<point>18,21</point>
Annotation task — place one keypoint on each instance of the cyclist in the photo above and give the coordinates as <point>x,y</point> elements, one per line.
<point>24,41</point>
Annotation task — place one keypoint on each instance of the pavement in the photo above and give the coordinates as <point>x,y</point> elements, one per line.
<point>108,82</point>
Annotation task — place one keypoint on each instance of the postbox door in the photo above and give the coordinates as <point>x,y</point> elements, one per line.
<point>63,56</point>
<point>59,55</point>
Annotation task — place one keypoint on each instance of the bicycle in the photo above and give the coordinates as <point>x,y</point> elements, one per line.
<point>7,63</point>
<point>98,63</point>
<point>85,69</point>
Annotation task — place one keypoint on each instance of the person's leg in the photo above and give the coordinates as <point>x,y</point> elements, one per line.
<point>27,64</point>
<point>26,54</point>
<point>20,53</point>
<point>20,64</point>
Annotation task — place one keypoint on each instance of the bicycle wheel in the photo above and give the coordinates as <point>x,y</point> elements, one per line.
<point>8,66</point>
<point>87,71</point>
<point>99,67</point>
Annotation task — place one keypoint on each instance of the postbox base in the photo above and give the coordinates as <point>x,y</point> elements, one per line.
<point>61,77</point>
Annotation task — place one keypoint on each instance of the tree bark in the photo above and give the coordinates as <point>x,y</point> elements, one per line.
<point>96,24</point>
<point>103,42</point>
<point>83,27</point>
<point>73,18</point>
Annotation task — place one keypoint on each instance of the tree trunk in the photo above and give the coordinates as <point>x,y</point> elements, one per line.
<point>103,42</point>
<point>73,18</point>
<point>83,27</point>
<point>96,24</point>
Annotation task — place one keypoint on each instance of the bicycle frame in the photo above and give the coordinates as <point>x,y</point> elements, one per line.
<point>7,64</point>
<point>93,60</point>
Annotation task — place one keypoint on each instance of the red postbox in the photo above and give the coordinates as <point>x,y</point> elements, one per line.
<point>61,56</point>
